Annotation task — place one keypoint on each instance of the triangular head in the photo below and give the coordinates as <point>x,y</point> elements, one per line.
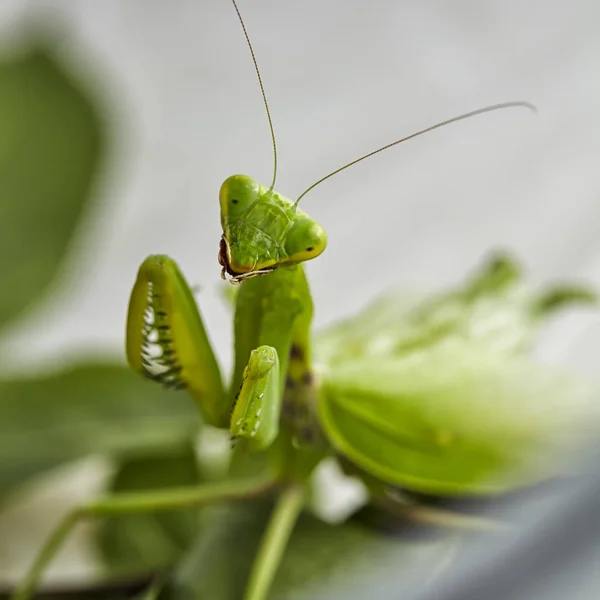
<point>263,230</point>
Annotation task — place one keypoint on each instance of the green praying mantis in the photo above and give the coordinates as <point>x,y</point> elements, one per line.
<point>432,395</point>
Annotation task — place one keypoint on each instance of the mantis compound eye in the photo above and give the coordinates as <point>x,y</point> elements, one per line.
<point>238,193</point>
<point>305,240</point>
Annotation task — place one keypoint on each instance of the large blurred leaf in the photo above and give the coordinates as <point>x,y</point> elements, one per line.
<point>458,418</point>
<point>86,410</point>
<point>50,145</point>
<point>322,562</point>
<point>144,542</point>
<point>495,307</point>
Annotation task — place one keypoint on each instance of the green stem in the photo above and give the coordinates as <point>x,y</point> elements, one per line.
<point>175,498</point>
<point>134,503</point>
<point>274,541</point>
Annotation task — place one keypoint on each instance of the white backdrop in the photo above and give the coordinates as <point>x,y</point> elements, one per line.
<point>342,78</point>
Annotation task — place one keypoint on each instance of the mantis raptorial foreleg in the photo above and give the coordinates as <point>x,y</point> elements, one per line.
<point>256,412</point>
<point>166,340</point>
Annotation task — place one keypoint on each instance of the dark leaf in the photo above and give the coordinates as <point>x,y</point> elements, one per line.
<point>137,543</point>
<point>92,409</point>
<point>322,561</point>
<point>50,149</point>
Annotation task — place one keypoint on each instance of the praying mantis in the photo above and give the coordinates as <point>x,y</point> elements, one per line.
<point>419,395</point>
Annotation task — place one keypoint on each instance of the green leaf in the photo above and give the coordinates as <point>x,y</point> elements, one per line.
<point>458,419</point>
<point>321,562</point>
<point>90,409</point>
<point>217,566</point>
<point>138,543</point>
<point>494,307</point>
<point>50,149</point>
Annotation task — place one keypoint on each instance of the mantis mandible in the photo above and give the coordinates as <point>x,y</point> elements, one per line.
<point>418,397</point>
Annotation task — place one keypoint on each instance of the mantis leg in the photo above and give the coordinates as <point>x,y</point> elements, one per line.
<point>266,330</point>
<point>257,409</point>
<point>276,311</point>
<point>135,503</point>
<point>166,340</point>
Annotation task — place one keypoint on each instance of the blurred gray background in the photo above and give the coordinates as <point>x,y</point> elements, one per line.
<point>342,78</point>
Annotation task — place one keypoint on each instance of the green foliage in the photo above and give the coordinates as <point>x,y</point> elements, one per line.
<point>322,561</point>
<point>50,150</point>
<point>144,542</point>
<point>50,154</point>
<point>458,419</point>
<point>86,410</point>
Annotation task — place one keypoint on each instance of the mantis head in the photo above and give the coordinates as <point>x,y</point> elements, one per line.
<point>263,230</point>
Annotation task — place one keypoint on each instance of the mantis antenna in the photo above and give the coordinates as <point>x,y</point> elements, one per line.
<point>262,91</point>
<point>472,113</point>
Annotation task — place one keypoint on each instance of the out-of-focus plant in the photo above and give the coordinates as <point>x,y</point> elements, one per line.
<point>53,146</point>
